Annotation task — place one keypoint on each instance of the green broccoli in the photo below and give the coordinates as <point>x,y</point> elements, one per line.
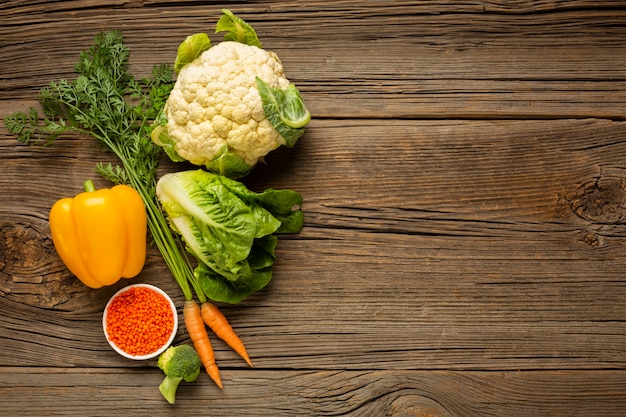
<point>178,363</point>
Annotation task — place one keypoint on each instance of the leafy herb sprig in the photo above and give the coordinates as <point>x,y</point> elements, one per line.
<point>106,102</point>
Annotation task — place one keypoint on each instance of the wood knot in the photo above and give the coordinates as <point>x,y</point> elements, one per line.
<point>591,239</point>
<point>415,405</point>
<point>30,269</point>
<point>601,201</point>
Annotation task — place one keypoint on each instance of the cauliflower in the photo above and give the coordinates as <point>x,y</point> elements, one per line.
<point>215,104</point>
<point>231,104</point>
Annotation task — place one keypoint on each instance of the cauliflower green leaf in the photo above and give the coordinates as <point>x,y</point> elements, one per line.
<point>161,137</point>
<point>237,29</point>
<point>190,49</point>
<point>285,109</point>
<point>228,164</point>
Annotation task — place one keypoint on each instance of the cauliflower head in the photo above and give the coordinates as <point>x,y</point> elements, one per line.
<point>215,105</point>
<point>231,103</point>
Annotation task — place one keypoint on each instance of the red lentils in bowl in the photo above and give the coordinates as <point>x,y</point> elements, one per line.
<point>140,321</point>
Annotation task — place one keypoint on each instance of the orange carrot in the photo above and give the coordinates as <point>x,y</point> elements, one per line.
<point>200,338</point>
<point>216,320</point>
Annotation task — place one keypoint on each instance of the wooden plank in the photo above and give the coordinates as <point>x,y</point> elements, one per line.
<point>450,67</point>
<point>503,239</point>
<point>464,195</point>
<point>351,7</point>
<point>317,393</point>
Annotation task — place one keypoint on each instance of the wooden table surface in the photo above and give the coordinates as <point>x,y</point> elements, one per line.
<point>464,184</point>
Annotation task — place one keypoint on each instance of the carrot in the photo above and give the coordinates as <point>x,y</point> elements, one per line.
<point>216,320</point>
<point>200,338</point>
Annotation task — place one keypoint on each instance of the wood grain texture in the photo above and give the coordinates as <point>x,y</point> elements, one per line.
<point>319,393</point>
<point>464,188</point>
<point>402,61</point>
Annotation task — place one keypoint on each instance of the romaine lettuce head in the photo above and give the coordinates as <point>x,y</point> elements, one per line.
<point>228,229</point>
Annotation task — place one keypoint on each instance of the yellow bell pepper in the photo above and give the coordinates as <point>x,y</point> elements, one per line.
<point>101,234</point>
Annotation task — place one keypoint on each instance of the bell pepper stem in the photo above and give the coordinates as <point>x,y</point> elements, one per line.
<point>89,186</point>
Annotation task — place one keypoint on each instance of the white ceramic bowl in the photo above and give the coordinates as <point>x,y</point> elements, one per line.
<point>162,348</point>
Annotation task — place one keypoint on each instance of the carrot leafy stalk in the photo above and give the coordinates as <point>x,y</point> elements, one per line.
<point>216,320</point>
<point>200,338</point>
<point>109,104</point>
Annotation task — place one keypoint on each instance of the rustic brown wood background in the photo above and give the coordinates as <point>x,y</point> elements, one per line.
<point>464,178</point>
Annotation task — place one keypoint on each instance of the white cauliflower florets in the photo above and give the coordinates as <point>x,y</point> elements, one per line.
<point>215,103</point>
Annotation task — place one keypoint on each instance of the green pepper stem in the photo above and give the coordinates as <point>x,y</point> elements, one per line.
<point>89,186</point>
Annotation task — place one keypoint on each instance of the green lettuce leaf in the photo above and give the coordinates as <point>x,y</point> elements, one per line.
<point>217,227</point>
<point>284,205</point>
<point>261,260</point>
<point>228,228</point>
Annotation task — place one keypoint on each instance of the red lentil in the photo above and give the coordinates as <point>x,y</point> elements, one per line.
<point>139,321</point>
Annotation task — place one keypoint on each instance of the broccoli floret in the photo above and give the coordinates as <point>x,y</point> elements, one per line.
<point>178,363</point>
